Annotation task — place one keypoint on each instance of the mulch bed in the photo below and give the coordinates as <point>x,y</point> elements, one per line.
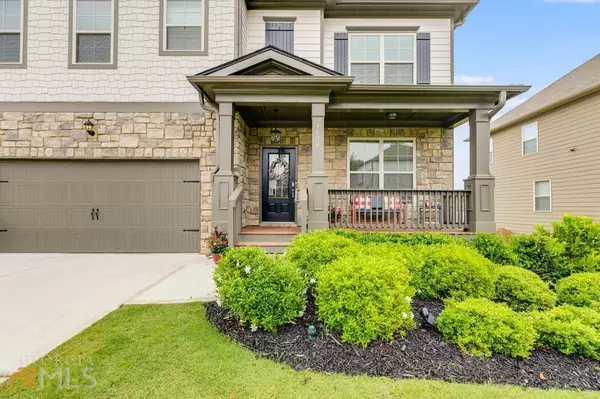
<point>422,353</point>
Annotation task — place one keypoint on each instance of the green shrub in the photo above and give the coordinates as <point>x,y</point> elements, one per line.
<point>580,235</point>
<point>570,330</point>
<point>482,327</point>
<point>494,248</point>
<point>365,298</point>
<point>312,251</point>
<point>542,255</point>
<point>412,239</point>
<point>588,264</point>
<point>401,255</point>
<point>582,289</point>
<point>523,290</point>
<point>263,290</point>
<point>454,271</point>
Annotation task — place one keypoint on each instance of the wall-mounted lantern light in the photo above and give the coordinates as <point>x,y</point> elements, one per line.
<point>89,127</point>
<point>275,133</point>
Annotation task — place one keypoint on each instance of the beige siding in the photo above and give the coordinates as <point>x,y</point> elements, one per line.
<point>307,31</point>
<point>569,155</point>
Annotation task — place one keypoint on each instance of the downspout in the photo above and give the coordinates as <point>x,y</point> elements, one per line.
<point>500,105</point>
<point>210,106</point>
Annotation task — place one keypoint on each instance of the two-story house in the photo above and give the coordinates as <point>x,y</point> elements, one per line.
<point>137,125</point>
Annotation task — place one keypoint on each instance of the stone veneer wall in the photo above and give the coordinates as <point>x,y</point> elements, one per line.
<point>434,152</point>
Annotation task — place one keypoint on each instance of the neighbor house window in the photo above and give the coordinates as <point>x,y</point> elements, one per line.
<point>529,137</point>
<point>491,150</point>
<point>542,196</point>
<point>381,164</point>
<point>184,27</point>
<point>94,33</point>
<point>383,58</point>
<point>12,24</point>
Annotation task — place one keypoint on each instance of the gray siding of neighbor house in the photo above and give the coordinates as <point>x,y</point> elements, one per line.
<point>568,155</point>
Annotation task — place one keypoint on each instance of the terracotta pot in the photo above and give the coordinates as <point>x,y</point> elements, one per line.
<point>216,258</point>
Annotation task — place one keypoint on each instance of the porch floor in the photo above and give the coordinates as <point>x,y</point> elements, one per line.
<point>270,230</point>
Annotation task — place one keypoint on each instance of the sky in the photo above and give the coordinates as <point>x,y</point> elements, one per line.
<point>531,42</point>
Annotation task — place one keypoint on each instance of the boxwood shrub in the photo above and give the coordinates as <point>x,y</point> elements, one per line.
<point>580,234</point>
<point>581,289</point>
<point>482,327</point>
<point>494,248</point>
<point>570,330</point>
<point>263,290</point>
<point>523,290</point>
<point>365,298</point>
<point>588,264</point>
<point>312,251</point>
<point>541,254</point>
<point>397,238</point>
<point>454,271</point>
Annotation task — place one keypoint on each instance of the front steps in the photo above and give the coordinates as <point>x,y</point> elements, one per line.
<point>273,239</point>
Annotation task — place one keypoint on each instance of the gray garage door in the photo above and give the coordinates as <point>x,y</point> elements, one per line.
<point>99,206</point>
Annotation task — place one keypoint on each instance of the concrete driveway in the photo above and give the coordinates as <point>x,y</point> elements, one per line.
<point>48,298</point>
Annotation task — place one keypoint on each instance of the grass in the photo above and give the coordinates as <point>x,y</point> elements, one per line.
<point>171,351</point>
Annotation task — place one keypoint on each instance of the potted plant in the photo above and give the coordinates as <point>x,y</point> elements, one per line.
<point>335,214</point>
<point>217,244</point>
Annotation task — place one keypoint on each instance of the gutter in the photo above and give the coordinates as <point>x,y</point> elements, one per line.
<point>210,106</point>
<point>500,105</point>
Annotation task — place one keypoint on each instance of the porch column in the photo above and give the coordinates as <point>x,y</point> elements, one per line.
<point>224,180</point>
<point>481,183</point>
<point>317,179</point>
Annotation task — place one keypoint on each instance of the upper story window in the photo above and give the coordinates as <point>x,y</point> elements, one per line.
<point>280,34</point>
<point>12,37</point>
<point>529,138</point>
<point>184,27</point>
<point>381,164</point>
<point>383,58</point>
<point>93,42</point>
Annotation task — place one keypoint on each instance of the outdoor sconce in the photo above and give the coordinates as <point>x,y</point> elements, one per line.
<point>275,133</point>
<point>89,127</point>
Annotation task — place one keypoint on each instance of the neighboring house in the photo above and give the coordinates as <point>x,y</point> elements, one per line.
<point>546,153</point>
<point>107,146</point>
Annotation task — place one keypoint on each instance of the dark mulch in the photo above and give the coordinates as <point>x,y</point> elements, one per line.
<point>422,353</point>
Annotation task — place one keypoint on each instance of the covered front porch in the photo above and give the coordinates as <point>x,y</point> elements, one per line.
<point>300,145</point>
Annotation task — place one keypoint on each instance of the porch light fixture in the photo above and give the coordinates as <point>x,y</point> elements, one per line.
<point>89,127</point>
<point>392,116</point>
<point>275,133</point>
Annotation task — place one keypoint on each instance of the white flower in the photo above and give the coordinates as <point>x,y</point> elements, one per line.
<point>312,281</point>
<point>247,269</point>
<point>253,328</point>
<point>418,291</point>
<point>300,313</point>
<point>408,299</point>
<point>404,315</point>
<point>237,263</point>
<point>219,303</point>
<point>412,316</point>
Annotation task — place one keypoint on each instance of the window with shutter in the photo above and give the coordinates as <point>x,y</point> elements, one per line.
<point>94,32</point>
<point>280,35</point>
<point>11,20</point>
<point>183,27</point>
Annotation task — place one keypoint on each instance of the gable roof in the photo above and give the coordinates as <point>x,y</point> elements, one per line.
<point>582,81</point>
<point>270,54</point>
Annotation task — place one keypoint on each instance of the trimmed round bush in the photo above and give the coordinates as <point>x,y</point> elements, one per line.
<point>263,290</point>
<point>454,271</point>
<point>397,238</point>
<point>570,330</point>
<point>481,327</point>
<point>494,248</point>
<point>523,290</point>
<point>311,251</point>
<point>541,254</point>
<point>365,298</point>
<point>402,255</point>
<point>580,234</point>
<point>582,289</point>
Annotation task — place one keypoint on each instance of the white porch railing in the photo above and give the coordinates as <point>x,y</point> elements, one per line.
<point>399,209</point>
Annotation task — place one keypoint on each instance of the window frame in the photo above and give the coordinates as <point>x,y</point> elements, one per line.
<point>162,39</point>
<point>73,32</point>
<point>382,61</point>
<point>537,138</point>
<point>382,172</point>
<point>22,63</point>
<point>543,196</point>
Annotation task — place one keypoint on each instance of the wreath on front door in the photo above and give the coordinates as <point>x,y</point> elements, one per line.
<point>279,170</point>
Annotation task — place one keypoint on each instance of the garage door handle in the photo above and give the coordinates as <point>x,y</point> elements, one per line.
<point>92,213</point>
<point>97,214</point>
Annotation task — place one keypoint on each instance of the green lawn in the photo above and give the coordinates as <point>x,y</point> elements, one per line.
<point>171,351</point>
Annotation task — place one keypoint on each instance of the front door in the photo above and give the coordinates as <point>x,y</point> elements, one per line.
<point>278,184</point>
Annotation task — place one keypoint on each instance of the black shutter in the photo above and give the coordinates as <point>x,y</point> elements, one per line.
<point>280,35</point>
<point>423,58</point>
<point>341,53</point>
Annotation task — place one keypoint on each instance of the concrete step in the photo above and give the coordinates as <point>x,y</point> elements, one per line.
<point>270,247</point>
<point>279,238</point>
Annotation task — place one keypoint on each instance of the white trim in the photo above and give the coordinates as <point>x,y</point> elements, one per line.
<point>382,172</point>
<point>542,196</point>
<point>537,138</point>
<point>166,25</point>
<point>21,37</point>
<point>491,150</point>
<point>382,61</point>
<point>110,32</point>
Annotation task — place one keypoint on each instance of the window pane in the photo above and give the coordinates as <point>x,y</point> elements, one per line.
<point>365,73</point>
<point>185,12</point>
<point>530,132</point>
<point>93,49</point>
<point>399,48</point>
<point>397,156</point>
<point>184,38</point>
<point>10,47</point>
<point>10,15</point>
<point>399,74</point>
<point>542,204</point>
<point>530,147</point>
<point>364,181</point>
<point>364,48</point>
<point>94,15</point>
<point>542,188</point>
<point>364,156</point>
<point>397,182</point>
